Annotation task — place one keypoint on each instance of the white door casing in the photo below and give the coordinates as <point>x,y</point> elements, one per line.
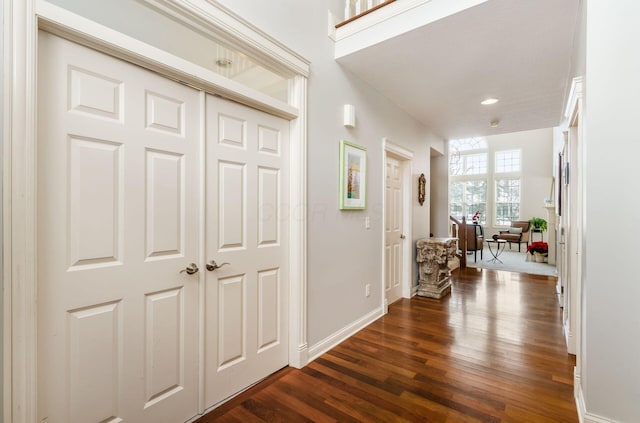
<point>572,238</point>
<point>560,229</point>
<point>574,115</point>
<point>118,218</point>
<point>404,157</point>
<point>573,220</point>
<point>23,19</point>
<point>567,288</point>
<point>393,226</point>
<point>246,326</point>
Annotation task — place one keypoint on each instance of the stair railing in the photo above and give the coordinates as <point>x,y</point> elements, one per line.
<point>459,230</point>
<point>354,9</point>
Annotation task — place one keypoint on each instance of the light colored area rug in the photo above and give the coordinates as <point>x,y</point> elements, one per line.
<point>513,261</point>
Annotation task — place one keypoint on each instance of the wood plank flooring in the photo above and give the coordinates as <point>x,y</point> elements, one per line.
<point>493,351</point>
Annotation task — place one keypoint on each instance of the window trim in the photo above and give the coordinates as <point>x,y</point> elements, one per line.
<point>495,161</point>
<point>472,177</point>
<point>484,179</point>
<point>513,176</point>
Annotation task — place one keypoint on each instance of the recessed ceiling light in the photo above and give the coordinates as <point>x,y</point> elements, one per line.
<point>223,63</point>
<point>489,101</point>
<point>494,123</point>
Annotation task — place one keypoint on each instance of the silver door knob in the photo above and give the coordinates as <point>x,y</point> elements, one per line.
<point>402,236</point>
<point>190,269</point>
<point>212,265</point>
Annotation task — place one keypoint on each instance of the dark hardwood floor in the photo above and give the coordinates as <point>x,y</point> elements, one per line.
<point>493,351</point>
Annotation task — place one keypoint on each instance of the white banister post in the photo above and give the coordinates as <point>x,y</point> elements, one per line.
<point>359,6</point>
<point>347,10</point>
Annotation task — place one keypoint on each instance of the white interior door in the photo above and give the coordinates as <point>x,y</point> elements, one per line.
<point>393,229</point>
<point>574,240</point>
<point>563,264</point>
<point>118,215</point>
<point>246,327</point>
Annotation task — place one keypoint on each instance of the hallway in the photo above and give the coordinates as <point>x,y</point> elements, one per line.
<point>492,352</point>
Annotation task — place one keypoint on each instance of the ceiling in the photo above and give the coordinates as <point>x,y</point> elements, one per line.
<point>518,51</point>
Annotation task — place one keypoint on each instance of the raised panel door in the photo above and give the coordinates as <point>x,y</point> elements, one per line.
<point>246,324</point>
<point>393,230</point>
<point>118,215</point>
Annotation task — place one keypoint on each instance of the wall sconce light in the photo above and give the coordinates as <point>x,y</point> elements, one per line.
<point>349,118</point>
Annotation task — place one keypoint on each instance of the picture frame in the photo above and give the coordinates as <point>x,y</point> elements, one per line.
<point>353,176</point>
<point>422,189</point>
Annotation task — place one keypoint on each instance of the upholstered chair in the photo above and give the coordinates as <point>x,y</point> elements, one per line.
<point>517,233</point>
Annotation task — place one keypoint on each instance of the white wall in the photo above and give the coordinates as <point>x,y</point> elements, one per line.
<point>536,151</point>
<point>343,255</point>
<point>579,51</point>
<point>439,198</point>
<point>578,68</point>
<point>611,373</point>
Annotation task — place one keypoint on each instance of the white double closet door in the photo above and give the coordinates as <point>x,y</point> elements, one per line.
<point>138,177</point>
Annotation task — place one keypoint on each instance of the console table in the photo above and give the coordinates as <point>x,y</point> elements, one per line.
<point>433,256</point>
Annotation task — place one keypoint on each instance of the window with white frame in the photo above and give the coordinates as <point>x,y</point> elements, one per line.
<point>468,157</point>
<point>473,164</point>
<point>507,161</point>
<point>507,200</point>
<point>466,144</point>
<point>467,197</point>
<point>507,170</point>
<point>468,167</point>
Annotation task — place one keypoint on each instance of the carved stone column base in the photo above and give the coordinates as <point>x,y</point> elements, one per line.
<point>427,289</point>
<point>434,256</point>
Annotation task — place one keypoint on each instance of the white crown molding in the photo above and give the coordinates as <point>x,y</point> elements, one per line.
<point>219,22</point>
<point>398,150</point>
<point>576,93</point>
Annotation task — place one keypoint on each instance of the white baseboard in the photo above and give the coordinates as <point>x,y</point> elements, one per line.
<point>560,294</point>
<point>568,337</point>
<point>337,337</point>
<point>583,415</point>
<point>299,358</point>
